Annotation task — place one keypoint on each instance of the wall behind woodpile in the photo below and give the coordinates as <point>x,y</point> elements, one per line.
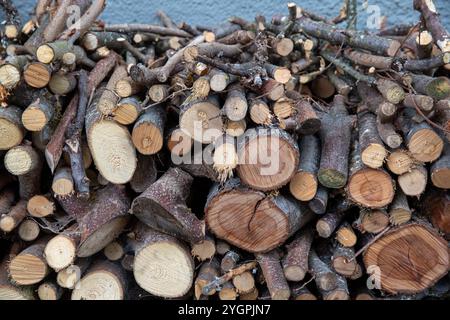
<point>210,12</point>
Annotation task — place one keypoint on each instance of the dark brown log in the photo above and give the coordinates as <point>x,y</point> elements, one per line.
<point>304,119</point>
<point>417,256</point>
<point>268,158</point>
<point>274,275</point>
<point>304,184</point>
<point>163,207</point>
<point>335,136</point>
<point>295,263</point>
<point>258,213</point>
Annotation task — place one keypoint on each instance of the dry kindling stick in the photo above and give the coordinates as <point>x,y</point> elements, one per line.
<point>74,142</point>
<point>138,27</point>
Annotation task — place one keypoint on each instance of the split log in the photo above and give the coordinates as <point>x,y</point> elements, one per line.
<point>304,184</point>
<point>371,188</point>
<point>335,136</point>
<point>259,215</point>
<point>295,263</point>
<point>268,158</point>
<point>175,268</point>
<point>103,281</point>
<point>163,207</point>
<point>417,256</point>
<point>274,276</point>
<point>148,131</point>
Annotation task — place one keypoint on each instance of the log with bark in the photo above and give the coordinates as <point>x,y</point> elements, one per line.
<point>285,158</point>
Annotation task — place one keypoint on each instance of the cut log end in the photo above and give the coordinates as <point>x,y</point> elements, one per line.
<point>371,188</point>
<point>303,186</point>
<point>169,275</point>
<point>404,254</point>
<point>40,206</point>
<point>12,134</point>
<point>27,269</point>
<point>45,54</point>
<point>373,156</point>
<point>99,285</point>
<point>414,182</point>
<point>114,251</point>
<point>60,252</point>
<point>425,145</point>
<point>271,167</point>
<point>29,230</point>
<point>37,75</point>
<point>399,162</point>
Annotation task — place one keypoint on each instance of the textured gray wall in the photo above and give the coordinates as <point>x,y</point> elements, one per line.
<point>209,12</point>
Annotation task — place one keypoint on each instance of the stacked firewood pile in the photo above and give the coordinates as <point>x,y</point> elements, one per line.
<point>282,158</point>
